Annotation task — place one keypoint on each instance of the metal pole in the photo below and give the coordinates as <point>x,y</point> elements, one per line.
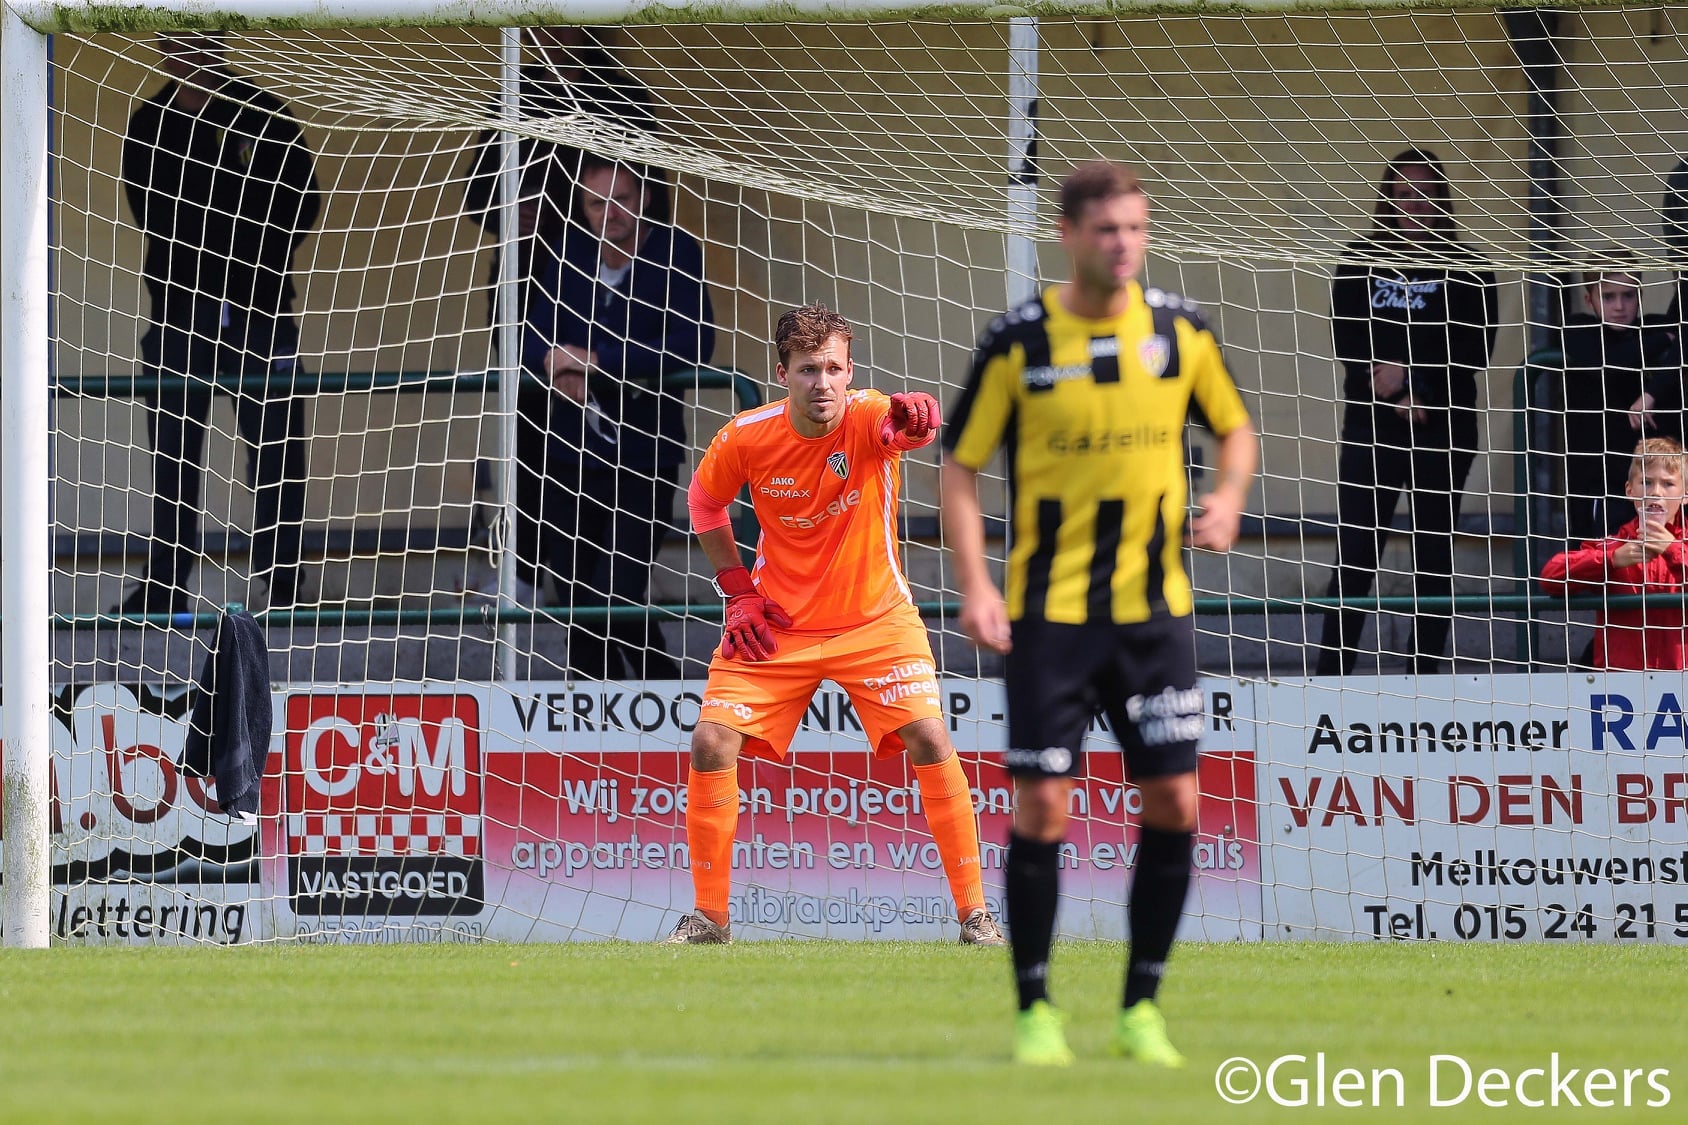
<point>1022,159</point>
<point>1534,33</point>
<point>509,329</point>
<point>25,656</point>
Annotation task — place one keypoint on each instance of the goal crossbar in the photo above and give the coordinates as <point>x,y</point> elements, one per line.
<point>287,15</point>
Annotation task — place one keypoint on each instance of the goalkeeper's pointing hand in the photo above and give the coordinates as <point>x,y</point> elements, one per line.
<point>750,618</point>
<point>912,422</point>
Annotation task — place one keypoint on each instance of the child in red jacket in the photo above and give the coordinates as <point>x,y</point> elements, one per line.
<point>1647,555</point>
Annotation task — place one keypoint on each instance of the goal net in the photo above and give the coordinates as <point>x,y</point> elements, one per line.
<point>487,659</point>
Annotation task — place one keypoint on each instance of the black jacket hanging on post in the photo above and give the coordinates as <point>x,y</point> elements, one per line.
<point>229,735</point>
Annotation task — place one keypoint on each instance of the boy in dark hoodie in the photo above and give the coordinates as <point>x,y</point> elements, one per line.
<point>1647,555</point>
<point>1611,358</point>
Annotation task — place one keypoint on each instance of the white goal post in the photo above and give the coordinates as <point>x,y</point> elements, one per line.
<point>24,659</point>
<point>898,160</point>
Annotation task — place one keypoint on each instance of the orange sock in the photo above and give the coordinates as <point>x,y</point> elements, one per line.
<point>949,814</point>
<point>711,820</point>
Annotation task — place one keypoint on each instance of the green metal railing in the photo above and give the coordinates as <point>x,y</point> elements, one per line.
<point>748,394</point>
<point>489,614</point>
<point>745,389</point>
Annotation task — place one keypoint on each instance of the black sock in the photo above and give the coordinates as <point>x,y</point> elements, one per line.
<point>1156,905</point>
<point>1033,886</point>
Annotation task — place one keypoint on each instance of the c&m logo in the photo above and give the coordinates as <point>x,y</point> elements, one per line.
<point>381,796</point>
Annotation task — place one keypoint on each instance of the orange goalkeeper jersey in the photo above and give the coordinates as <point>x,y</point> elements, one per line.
<point>827,507</point>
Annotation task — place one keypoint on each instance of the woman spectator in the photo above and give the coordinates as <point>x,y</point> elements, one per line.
<point>1414,319</point>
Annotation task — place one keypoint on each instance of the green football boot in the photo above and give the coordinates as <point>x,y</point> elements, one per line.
<point>1141,1035</point>
<point>1038,1038</point>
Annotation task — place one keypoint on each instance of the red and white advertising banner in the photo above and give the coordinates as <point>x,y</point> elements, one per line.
<point>381,808</point>
<point>1478,808</point>
<point>547,811</point>
<point>585,832</point>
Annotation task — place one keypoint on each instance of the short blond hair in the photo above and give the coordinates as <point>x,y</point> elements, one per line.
<point>1657,447</point>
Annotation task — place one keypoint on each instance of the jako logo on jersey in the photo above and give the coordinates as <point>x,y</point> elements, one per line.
<point>1154,353</point>
<point>837,508</point>
<point>839,466</point>
<point>783,480</point>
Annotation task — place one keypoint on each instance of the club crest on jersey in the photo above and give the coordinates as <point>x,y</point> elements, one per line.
<point>839,466</point>
<point>1154,353</point>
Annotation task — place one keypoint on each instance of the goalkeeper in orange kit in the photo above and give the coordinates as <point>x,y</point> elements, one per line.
<point>827,601</point>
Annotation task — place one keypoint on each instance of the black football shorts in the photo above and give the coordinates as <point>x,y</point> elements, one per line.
<point>1141,677</point>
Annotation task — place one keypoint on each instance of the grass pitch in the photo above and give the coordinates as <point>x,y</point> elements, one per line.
<point>802,1031</point>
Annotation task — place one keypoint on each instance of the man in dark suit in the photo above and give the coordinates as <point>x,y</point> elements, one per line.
<point>223,188</point>
<point>620,304</point>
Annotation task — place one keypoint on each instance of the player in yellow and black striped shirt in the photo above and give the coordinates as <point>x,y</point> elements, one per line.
<point>1088,389</point>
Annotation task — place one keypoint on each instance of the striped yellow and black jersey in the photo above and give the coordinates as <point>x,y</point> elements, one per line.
<point>1092,414</point>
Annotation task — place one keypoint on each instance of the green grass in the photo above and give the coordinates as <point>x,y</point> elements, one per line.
<point>789,1031</point>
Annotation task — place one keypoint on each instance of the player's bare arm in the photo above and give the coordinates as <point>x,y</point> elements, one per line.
<point>984,613</point>
<point>749,619</point>
<point>1215,527</point>
<point>719,548</point>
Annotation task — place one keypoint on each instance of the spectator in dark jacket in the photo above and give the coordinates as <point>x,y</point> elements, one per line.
<point>599,441</point>
<point>1414,316</point>
<point>1665,402</point>
<point>1647,555</point>
<point>223,188</point>
<point>569,72</point>
<point>1612,356</point>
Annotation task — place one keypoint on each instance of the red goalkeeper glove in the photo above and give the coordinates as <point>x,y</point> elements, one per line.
<point>751,618</point>
<point>912,421</point>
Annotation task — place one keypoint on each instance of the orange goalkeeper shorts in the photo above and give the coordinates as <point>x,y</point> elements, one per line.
<point>885,666</point>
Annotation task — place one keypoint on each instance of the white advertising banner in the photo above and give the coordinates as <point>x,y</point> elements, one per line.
<point>1551,807</point>
<point>1510,808</point>
<point>141,854</point>
<point>555,811</point>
